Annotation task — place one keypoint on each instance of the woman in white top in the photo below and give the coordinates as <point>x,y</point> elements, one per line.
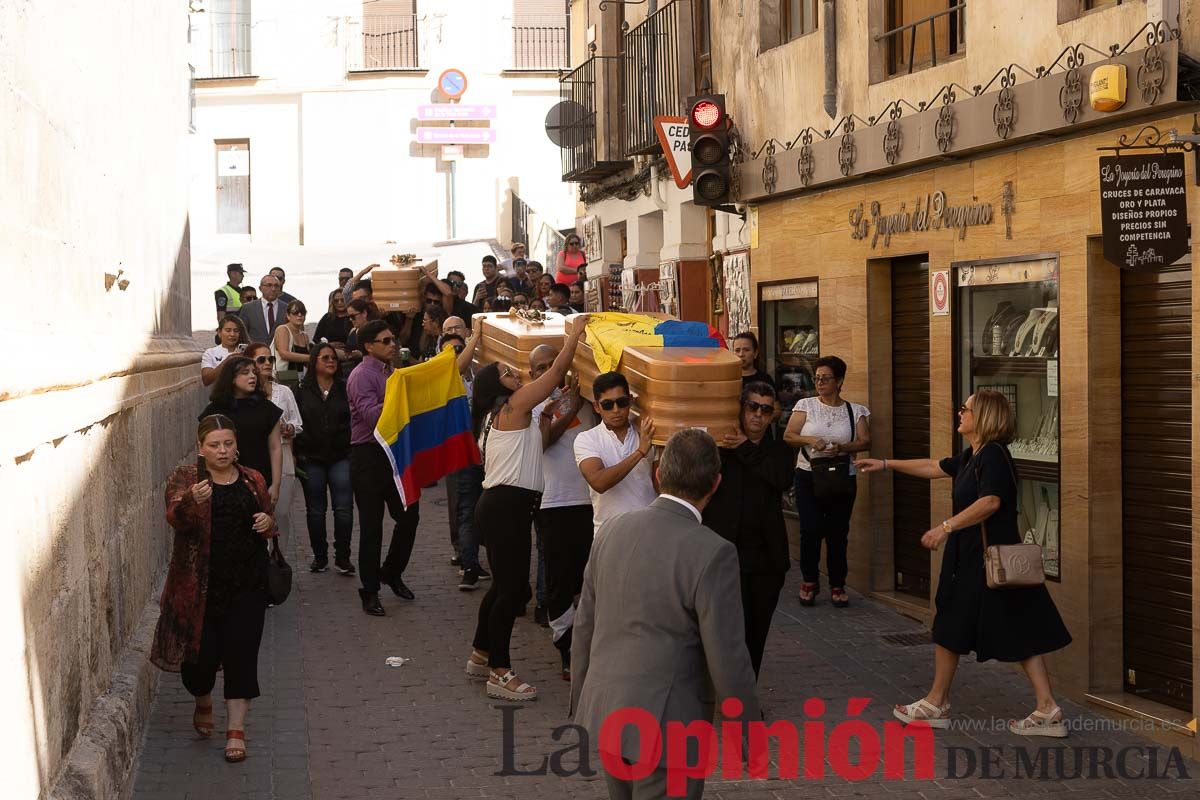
<point>829,431</point>
<point>511,442</point>
<point>290,424</point>
<point>232,334</point>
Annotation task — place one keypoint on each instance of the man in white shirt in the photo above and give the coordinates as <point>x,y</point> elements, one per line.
<point>564,519</point>
<point>613,457</point>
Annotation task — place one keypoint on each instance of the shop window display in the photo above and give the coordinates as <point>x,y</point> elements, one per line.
<point>790,340</point>
<point>1008,323</point>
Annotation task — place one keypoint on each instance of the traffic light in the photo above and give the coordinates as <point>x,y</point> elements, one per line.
<point>708,130</point>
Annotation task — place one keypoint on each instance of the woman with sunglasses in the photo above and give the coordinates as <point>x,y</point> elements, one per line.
<point>829,431</point>
<point>290,425</point>
<point>569,261</point>
<point>290,345</point>
<point>239,395</point>
<point>511,442</point>
<point>1014,625</point>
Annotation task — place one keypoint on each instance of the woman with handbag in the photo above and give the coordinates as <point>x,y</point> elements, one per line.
<point>1000,609</point>
<point>290,346</point>
<point>215,597</point>
<point>829,431</point>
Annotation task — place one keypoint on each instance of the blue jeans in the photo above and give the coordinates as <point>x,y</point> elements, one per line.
<point>470,487</point>
<point>333,479</point>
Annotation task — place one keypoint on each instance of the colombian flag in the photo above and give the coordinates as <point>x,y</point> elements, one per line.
<point>610,332</point>
<point>425,425</point>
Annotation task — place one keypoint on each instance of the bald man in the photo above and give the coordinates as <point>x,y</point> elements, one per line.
<point>455,325</point>
<point>564,520</point>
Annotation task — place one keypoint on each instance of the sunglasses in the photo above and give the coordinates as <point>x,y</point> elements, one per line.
<point>264,359</point>
<point>824,378</point>
<point>964,409</point>
<point>327,357</point>
<point>388,340</point>
<point>458,348</point>
<point>760,408</point>
<point>615,402</point>
<point>298,313</point>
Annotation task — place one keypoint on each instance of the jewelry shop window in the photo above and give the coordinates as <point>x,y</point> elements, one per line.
<point>1008,326</point>
<point>789,324</point>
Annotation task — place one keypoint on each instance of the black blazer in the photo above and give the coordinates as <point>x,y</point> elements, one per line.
<point>326,434</point>
<point>747,508</point>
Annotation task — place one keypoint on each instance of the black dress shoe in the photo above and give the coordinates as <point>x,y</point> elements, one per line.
<point>398,587</point>
<point>370,603</point>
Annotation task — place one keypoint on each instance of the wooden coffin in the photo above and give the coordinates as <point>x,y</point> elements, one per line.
<point>679,387</point>
<point>397,289</point>
<point>509,339</point>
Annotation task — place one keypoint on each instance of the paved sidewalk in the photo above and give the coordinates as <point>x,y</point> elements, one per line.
<point>336,722</point>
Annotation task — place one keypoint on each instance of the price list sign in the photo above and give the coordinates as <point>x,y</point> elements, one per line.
<point>1143,210</point>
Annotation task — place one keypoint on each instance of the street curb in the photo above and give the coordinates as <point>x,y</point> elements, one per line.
<point>101,761</point>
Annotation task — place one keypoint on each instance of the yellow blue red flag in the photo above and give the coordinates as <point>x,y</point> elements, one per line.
<point>425,425</point>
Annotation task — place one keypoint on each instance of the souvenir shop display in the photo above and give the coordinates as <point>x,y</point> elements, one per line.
<point>1008,319</point>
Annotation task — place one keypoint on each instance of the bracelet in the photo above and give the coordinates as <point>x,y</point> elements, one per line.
<point>885,465</point>
<point>947,527</point>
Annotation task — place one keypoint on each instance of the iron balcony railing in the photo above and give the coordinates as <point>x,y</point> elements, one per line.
<point>520,222</point>
<point>229,51</point>
<point>588,126</point>
<point>541,43</point>
<point>389,42</point>
<point>651,52</point>
<point>947,35</point>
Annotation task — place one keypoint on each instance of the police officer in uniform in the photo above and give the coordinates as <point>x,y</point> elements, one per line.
<point>229,296</point>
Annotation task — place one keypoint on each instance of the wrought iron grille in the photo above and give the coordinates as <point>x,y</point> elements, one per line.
<point>389,42</point>
<point>520,222</point>
<point>229,54</point>
<point>947,32</point>
<point>577,91</point>
<point>651,60</point>
<point>541,42</point>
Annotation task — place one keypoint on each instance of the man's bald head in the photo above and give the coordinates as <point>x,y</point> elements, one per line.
<point>540,359</point>
<point>454,325</point>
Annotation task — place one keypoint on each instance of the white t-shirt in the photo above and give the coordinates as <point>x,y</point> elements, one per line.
<point>831,423</point>
<point>213,357</point>
<point>282,396</point>
<point>635,491</point>
<point>565,484</point>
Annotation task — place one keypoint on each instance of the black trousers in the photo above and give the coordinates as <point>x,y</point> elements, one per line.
<point>760,596</point>
<point>229,639</point>
<point>503,516</point>
<point>452,512</point>
<point>374,490</point>
<point>567,534</point>
<point>822,521</point>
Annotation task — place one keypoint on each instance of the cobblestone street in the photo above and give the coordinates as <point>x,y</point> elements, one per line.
<point>335,722</point>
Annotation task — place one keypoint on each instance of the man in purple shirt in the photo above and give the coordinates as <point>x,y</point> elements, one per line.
<point>371,474</point>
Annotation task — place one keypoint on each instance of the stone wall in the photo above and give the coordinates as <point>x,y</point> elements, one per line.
<point>99,389</point>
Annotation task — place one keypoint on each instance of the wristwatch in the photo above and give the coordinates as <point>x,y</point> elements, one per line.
<point>947,527</point>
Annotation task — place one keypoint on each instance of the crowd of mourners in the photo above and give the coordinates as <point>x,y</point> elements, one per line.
<point>656,568</point>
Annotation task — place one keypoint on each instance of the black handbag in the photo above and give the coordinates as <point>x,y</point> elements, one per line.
<point>832,481</point>
<point>279,575</point>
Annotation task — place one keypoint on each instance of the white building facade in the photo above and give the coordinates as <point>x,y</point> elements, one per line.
<point>307,116</point>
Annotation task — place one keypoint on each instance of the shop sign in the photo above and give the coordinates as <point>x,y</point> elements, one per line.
<point>939,292</point>
<point>1143,209</point>
<point>790,291</point>
<point>932,212</point>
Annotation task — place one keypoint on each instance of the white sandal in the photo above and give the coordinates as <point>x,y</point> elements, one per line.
<point>1039,724</point>
<point>924,711</point>
<point>478,670</point>
<point>498,688</point>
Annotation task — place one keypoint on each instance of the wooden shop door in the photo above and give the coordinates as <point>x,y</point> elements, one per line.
<point>910,421</point>
<point>1156,482</point>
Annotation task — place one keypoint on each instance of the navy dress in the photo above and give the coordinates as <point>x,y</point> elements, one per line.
<point>1004,624</point>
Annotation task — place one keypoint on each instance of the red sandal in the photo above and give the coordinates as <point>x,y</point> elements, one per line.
<point>204,729</point>
<point>808,594</point>
<point>235,746</point>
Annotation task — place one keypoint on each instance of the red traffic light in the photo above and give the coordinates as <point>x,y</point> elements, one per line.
<point>707,114</point>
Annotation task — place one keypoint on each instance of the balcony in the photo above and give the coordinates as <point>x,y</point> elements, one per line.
<point>228,50</point>
<point>919,43</point>
<point>658,73</point>
<point>389,44</point>
<point>541,43</point>
<point>589,125</point>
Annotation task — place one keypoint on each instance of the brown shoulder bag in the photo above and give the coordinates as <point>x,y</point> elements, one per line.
<point>1010,565</point>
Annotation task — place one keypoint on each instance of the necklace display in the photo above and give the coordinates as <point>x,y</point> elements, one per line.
<point>1043,445</point>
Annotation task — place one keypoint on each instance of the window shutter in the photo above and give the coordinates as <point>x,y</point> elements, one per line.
<point>375,8</point>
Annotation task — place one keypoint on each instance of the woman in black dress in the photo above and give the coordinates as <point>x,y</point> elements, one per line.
<point>1013,625</point>
<point>215,597</point>
<point>238,395</point>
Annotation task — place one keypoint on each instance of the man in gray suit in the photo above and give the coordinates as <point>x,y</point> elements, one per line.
<point>659,625</point>
<point>264,315</point>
